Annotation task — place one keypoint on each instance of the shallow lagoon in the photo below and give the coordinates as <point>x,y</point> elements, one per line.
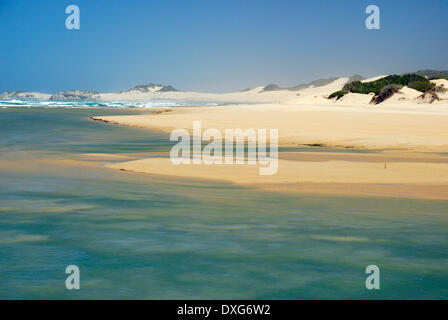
<point>137,236</point>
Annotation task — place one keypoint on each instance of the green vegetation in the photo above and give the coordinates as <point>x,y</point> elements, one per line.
<point>377,85</point>
<point>445,76</point>
<point>433,74</point>
<point>422,86</point>
<point>385,87</point>
<point>338,94</point>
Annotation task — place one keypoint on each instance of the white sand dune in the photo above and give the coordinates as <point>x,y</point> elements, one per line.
<point>311,95</point>
<point>355,99</point>
<point>374,78</point>
<point>251,96</point>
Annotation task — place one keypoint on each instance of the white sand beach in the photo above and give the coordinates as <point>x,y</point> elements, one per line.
<point>411,127</point>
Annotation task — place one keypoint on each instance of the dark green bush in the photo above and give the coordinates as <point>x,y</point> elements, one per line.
<point>443,76</point>
<point>377,85</point>
<point>419,82</point>
<point>338,94</point>
<point>422,86</point>
<point>367,87</point>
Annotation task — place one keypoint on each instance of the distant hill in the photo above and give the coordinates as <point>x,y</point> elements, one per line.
<point>152,87</point>
<point>314,83</point>
<point>168,89</point>
<point>76,95</point>
<point>433,74</point>
<point>272,87</point>
<point>382,88</point>
<point>24,95</point>
<point>82,95</point>
<point>356,77</point>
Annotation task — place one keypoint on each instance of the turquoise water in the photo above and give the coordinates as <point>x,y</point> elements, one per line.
<point>144,237</point>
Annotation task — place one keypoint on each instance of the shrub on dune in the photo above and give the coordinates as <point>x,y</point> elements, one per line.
<point>384,88</point>
<point>386,92</point>
<point>440,89</point>
<point>338,94</point>
<point>422,86</point>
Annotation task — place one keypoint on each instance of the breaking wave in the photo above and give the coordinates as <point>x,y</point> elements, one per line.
<point>97,104</point>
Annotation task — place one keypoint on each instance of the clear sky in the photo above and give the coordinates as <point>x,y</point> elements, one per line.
<point>213,45</point>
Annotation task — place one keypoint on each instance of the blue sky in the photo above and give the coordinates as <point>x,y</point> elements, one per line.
<point>213,45</point>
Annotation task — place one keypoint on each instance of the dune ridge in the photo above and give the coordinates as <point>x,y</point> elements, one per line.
<point>316,93</point>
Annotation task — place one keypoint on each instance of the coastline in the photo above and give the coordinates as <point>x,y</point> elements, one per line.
<point>416,128</point>
<point>407,162</point>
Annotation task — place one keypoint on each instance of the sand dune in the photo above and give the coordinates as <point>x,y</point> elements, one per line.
<point>314,93</point>
<point>310,95</point>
